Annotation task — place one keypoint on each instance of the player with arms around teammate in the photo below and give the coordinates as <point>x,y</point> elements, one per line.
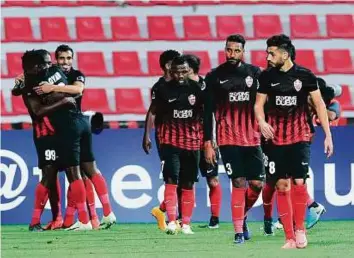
<point>232,89</point>
<point>76,83</point>
<point>288,127</point>
<point>210,172</point>
<point>152,120</point>
<point>179,105</point>
<point>52,142</point>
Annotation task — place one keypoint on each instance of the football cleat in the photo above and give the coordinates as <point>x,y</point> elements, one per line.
<point>314,216</point>
<point>171,228</point>
<point>301,239</point>
<point>160,218</point>
<point>108,221</point>
<point>186,229</point>
<point>246,230</point>
<point>53,225</point>
<point>79,226</point>
<point>278,224</point>
<point>214,222</point>
<point>289,244</point>
<point>268,227</point>
<point>35,228</point>
<point>239,238</point>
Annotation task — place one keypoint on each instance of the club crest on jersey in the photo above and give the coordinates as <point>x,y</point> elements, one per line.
<point>297,85</point>
<point>249,81</point>
<point>191,99</point>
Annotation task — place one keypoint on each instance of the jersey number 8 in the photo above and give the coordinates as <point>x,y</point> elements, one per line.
<point>50,154</point>
<point>272,167</point>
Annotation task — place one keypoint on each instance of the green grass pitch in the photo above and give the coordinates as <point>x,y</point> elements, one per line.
<point>326,239</point>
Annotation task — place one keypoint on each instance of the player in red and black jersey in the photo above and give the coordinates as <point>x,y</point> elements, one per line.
<point>91,175</point>
<point>152,120</point>
<point>52,148</point>
<point>210,172</point>
<point>232,89</point>
<point>180,106</point>
<point>286,86</point>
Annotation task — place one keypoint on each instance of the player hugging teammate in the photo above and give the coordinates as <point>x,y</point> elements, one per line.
<point>63,139</point>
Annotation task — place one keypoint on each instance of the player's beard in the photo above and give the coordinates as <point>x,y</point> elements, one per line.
<point>234,61</point>
<point>276,65</point>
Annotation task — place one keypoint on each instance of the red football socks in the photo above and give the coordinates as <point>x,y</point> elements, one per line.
<point>55,201</point>
<point>238,208</point>
<point>79,197</point>
<point>70,210</point>
<point>90,198</point>
<point>268,198</point>
<point>187,201</point>
<point>285,212</point>
<point>300,197</point>
<point>170,199</point>
<point>251,198</point>
<point>41,197</point>
<point>215,194</point>
<point>101,188</point>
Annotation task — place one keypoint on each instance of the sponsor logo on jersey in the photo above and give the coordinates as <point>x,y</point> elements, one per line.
<point>239,96</point>
<point>187,113</point>
<point>286,101</point>
<point>54,78</point>
<point>297,85</point>
<point>249,81</point>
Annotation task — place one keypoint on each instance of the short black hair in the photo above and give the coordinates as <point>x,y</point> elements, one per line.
<point>168,56</point>
<point>194,62</point>
<point>236,38</point>
<point>327,92</point>
<point>31,58</point>
<point>284,42</point>
<point>179,60</point>
<point>63,48</point>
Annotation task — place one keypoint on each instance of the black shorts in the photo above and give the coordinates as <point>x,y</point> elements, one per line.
<point>243,161</point>
<point>47,150</point>
<point>286,161</point>
<point>75,143</point>
<point>207,170</point>
<point>179,164</point>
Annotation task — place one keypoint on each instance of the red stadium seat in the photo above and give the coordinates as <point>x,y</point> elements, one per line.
<point>57,3</point>
<point>266,25</point>
<point>129,101</point>
<point>204,60</point>
<point>227,25</point>
<point>96,99</point>
<point>18,29</point>
<point>337,61</point>
<point>54,29</point>
<point>304,26</point>
<point>259,58</point>
<point>126,64</point>
<point>4,111</point>
<point>221,57</point>
<point>14,64</point>
<point>153,62</point>
<point>89,28</point>
<point>345,99</point>
<point>196,27</point>
<point>95,3</point>
<point>92,63</point>
<point>125,28</point>
<point>161,28</point>
<point>340,26</point>
<point>27,3</point>
<point>307,59</point>
<point>18,106</point>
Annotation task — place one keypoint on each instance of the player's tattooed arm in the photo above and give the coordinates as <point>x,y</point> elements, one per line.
<point>321,111</point>
<point>35,107</point>
<point>209,152</point>
<point>149,123</point>
<point>19,85</point>
<point>76,88</point>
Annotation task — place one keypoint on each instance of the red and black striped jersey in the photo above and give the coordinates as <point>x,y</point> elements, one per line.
<point>287,107</point>
<point>179,108</point>
<point>232,93</point>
